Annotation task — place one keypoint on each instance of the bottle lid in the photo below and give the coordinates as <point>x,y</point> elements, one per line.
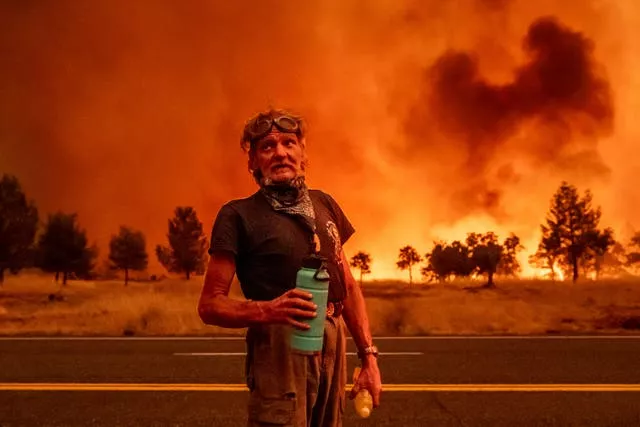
<point>313,261</point>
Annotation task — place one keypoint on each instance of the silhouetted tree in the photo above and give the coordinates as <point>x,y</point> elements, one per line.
<point>446,260</point>
<point>633,253</point>
<point>438,264</point>
<point>614,260</point>
<point>187,243</point>
<point>18,227</point>
<point>62,248</point>
<point>486,253</point>
<point>549,253</point>
<point>599,243</point>
<point>570,226</point>
<point>508,264</point>
<point>361,261</point>
<point>462,262</point>
<point>407,258</point>
<point>127,251</point>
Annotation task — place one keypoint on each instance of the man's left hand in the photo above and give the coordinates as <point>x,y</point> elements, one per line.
<point>368,379</point>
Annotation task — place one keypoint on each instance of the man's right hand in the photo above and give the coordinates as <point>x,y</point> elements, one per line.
<point>290,307</point>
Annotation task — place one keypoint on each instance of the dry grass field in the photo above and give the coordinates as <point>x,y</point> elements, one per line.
<point>32,304</point>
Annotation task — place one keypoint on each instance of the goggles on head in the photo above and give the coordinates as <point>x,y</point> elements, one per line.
<point>261,126</point>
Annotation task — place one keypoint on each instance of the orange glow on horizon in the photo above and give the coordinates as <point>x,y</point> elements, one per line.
<point>385,268</point>
<point>427,120</point>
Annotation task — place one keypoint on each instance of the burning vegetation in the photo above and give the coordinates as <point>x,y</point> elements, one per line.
<point>427,121</point>
<point>572,243</point>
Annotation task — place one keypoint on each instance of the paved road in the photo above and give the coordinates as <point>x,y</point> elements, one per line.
<point>419,375</point>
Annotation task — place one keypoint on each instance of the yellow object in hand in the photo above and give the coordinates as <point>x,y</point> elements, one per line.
<point>363,401</point>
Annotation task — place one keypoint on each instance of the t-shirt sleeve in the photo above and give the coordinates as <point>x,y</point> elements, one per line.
<point>345,228</point>
<point>225,233</point>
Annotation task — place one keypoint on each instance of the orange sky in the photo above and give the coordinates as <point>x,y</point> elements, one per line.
<point>121,111</point>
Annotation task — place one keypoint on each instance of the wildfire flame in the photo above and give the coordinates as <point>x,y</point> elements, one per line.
<point>428,120</point>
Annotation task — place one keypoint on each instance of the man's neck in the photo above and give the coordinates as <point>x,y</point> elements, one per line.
<point>295,182</point>
<point>288,191</point>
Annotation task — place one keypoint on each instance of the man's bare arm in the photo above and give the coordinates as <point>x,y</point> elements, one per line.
<point>216,308</point>
<point>355,312</point>
<point>357,321</point>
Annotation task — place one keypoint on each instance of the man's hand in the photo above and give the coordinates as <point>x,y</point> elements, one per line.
<point>369,379</point>
<point>289,308</point>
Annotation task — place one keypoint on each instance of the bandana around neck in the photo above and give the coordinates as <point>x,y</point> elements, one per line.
<point>291,197</point>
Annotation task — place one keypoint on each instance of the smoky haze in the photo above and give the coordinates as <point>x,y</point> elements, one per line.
<point>426,119</point>
<point>559,88</point>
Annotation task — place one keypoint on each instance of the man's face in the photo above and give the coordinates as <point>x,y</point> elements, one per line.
<point>278,156</point>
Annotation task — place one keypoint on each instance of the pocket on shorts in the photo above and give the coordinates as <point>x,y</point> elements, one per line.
<point>272,411</point>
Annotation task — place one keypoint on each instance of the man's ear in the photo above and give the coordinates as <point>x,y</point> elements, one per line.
<point>304,161</point>
<point>252,163</point>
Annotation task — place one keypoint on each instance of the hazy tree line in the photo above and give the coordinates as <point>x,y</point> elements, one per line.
<point>61,247</point>
<point>571,242</point>
<point>481,254</point>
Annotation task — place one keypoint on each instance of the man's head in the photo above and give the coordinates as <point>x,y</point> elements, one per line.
<point>275,143</point>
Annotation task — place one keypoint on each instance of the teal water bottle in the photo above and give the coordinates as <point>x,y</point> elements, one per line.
<point>313,277</point>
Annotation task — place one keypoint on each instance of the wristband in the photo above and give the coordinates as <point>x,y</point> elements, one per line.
<point>372,349</point>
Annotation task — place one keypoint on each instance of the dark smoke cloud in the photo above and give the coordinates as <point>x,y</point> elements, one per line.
<point>558,91</point>
<point>122,110</point>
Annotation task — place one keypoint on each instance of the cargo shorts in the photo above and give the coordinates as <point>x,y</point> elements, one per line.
<point>292,389</point>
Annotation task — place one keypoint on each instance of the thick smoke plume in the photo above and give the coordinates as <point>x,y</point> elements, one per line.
<point>559,91</point>
<point>427,118</point>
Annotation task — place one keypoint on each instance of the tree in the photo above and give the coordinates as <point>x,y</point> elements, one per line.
<point>62,248</point>
<point>127,251</point>
<point>599,243</point>
<point>461,261</point>
<point>549,252</point>
<point>361,261</point>
<point>486,253</point>
<point>187,243</point>
<point>438,264</point>
<point>18,227</point>
<point>570,226</point>
<point>614,261</point>
<point>509,265</point>
<point>633,254</point>
<point>446,260</point>
<point>407,258</point>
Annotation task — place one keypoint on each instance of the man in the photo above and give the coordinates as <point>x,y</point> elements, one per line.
<point>263,239</point>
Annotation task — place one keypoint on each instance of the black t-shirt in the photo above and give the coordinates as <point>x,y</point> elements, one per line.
<point>269,246</point>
